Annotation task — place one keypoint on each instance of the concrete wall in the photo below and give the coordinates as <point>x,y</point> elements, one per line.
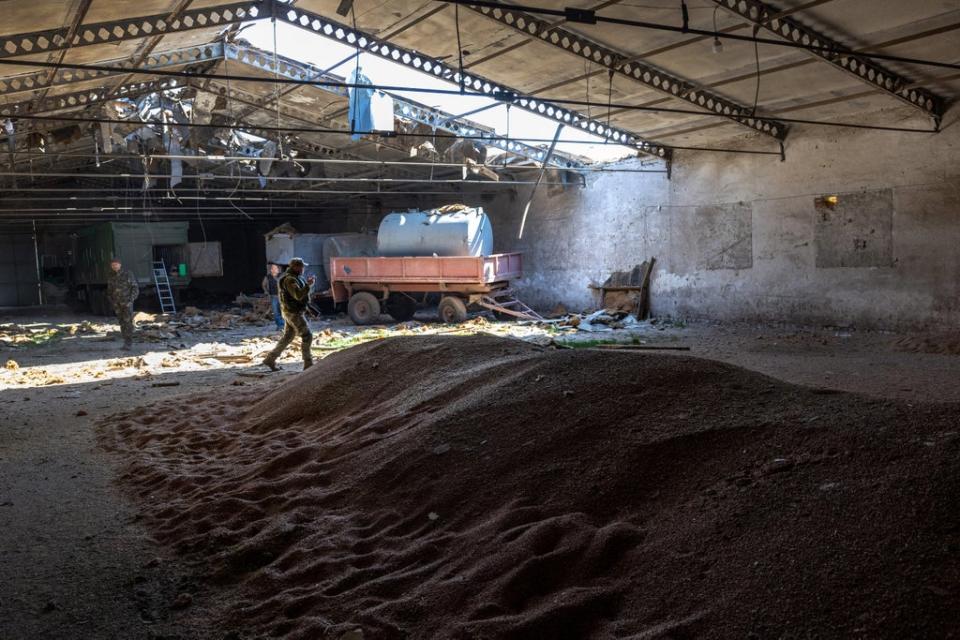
<point>749,237</point>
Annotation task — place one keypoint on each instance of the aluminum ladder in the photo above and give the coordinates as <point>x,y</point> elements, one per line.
<point>164,291</point>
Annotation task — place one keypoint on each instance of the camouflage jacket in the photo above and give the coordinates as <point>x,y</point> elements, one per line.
<point>294,293</point>
<point>122,287</point>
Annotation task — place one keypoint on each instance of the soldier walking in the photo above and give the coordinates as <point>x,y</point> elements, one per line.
<point>122,290</point>
<point>294,293</point>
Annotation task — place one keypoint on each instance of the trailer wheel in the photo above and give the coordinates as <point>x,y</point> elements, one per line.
<point>401,308</point>
<point>452,310</point>
<point>363,308</point>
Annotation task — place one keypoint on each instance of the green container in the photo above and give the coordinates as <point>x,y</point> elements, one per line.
<point>183,270</point>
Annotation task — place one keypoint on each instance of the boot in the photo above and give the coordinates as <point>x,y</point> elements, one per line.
<point>271,364</point>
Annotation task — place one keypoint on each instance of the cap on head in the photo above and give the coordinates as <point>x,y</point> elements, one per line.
<point>297,262</point>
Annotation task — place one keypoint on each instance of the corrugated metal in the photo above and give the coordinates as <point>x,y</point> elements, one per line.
<point>133,242</point>
<point>18,271</point>
<point>206,259</point>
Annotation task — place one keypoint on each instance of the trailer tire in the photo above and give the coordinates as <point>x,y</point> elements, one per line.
<point>452,310</point>
<point>401,307</point>
<point>363,308</point>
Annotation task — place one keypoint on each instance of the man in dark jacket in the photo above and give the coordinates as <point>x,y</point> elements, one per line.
<point>294,293</point>
<point>122,290</point>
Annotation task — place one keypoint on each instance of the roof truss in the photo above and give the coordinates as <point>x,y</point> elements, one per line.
<point>627,66</point>
<point>223,15</point>
<point>836,54</point>
<point>185,57</point>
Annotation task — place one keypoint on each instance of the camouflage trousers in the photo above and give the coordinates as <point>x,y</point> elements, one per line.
<point>294,325</point>
<point>125,316</point>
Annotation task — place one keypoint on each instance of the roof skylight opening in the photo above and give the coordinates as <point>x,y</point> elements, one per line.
<point>523,126</point>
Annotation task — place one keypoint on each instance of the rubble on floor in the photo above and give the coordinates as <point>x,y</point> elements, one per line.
<point>604,320</point>
<point>196,339</point>
<point>258,312</point>
<point>627,291</point>
<point>14,335</point>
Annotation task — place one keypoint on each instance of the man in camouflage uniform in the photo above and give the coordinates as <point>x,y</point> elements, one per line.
<point>294,292</point>
<point>122,290</point>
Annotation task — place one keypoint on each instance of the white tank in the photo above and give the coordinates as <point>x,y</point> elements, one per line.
<point>442,232</point>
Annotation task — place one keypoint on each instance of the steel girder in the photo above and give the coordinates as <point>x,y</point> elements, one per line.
<point>256,104</point>
<point>880,78</point>
<point>627,66</point>
<point>471,81</point>
<point>222,15</point>
<point>80,99</point>
<point>130,28</point>
<point>402,108</point>
<point>79,13</point>
<point>296,141</point>
<point>186,56</point>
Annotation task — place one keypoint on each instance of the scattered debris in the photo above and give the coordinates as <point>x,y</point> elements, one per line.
<point>558,311</point>
<point>642,347</point>
<point>127,363</point>
<point>201,339</point>
<point>15,336</point>
<point>606,320</point>
<point>628,291</point>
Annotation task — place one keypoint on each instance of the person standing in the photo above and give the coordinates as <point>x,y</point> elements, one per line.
<point>294,293</point>
<point>270,288</point>
<point>122,290</point>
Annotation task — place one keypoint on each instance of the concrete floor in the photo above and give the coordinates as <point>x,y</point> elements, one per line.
<point>76,562</point>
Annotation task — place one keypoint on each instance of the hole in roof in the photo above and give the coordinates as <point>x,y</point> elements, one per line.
<point>532,129</point>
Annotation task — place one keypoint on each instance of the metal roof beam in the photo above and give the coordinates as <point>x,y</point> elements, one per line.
<point>624,65</point>
<point>472,82</point>
<point>838,55</point>
<point>402,107</point>
<point>81,99</point>
<point>222,15</point>
<point>186,56</point>
<point>130,28</point>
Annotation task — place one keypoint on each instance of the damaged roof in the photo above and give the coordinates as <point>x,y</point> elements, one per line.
<point>666,90</point>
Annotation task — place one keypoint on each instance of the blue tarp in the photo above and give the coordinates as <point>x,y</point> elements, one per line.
<point>359,113</point>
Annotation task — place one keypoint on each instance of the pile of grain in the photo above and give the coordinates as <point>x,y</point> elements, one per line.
<point>476,487</point>
<point>944,343</point>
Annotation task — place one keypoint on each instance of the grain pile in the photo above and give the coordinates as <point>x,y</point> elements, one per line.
<point>477,487</point>
<point>944,343</point>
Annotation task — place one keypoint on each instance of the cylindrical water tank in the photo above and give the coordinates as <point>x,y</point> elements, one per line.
<point>465,232</point>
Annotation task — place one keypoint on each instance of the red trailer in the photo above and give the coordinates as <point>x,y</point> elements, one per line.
<point>396,286</point>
